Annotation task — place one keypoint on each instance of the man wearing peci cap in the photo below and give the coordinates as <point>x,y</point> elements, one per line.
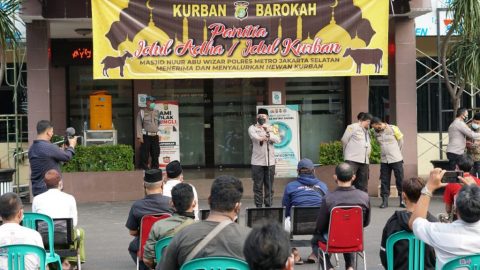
<point>147,124</point>
<point>174,177</point>
<point>153,203</point>
<point>263,158</point>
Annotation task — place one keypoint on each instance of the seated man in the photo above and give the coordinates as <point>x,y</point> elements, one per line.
<point>11,232</point>
<point>268,247</point>
<point>183,203</point>
<point>153,203</point>
<point>464,164</point>
<point>450,240</point>
<point>228,241</point>
<point>399,222</point>
<point>57,204</point>
<point>306,190</point>
<point>345,194</point>
<point>174,177</point>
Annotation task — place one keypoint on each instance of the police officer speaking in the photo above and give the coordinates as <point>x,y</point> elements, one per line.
<point>457,133</point>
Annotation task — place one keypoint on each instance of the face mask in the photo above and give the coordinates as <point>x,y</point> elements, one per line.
<point>378,130</point>
<point>261,121</point>
<point>152,106</point>
<point>475,126</point>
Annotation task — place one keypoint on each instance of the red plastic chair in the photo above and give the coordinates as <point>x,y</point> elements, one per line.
<point>145,227</point>
<point>345,233</point>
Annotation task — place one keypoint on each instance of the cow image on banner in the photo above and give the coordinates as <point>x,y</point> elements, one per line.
<point>179,39</point>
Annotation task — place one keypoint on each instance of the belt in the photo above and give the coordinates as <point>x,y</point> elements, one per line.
<point>150,133</point>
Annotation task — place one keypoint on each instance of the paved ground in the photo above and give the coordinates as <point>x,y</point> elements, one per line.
<point>107,238</point>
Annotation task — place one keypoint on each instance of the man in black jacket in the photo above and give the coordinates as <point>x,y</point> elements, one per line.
<point>399,222</point>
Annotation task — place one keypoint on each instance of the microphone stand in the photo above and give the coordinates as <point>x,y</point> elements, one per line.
<point>268,170</point>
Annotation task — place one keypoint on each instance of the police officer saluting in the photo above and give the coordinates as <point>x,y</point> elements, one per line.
<point>458,131</point>
<point>390,139</point>
<point>357,148</point>
<point>147,124</point>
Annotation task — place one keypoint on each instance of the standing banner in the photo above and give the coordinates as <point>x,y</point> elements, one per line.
<point>186,39</point>
<point>169,131</point>
<point>285,124</point>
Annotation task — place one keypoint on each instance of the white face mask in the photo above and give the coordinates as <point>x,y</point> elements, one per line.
<point>475,126</point>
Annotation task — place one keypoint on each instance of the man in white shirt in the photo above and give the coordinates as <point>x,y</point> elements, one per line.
<point>11,211</point>
<point>450,240</point>
<point>57,204</point>
<point>175,176</point>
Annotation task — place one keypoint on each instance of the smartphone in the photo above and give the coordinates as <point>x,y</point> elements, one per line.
<point>452,177</point>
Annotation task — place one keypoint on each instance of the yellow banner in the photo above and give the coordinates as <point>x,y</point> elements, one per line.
<point>175,39</point>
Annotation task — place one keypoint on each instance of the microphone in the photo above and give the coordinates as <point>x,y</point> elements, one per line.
<point>69,134</point>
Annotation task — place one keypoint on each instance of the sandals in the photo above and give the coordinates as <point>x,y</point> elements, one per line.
<point>296,257</point>
<point>312,258</point>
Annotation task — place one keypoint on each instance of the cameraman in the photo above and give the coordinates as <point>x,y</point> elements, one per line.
<point>44,156</point>
<point>465,164</point>
<point>263,158</point>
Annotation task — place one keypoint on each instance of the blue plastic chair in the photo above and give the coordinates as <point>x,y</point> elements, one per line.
<point>217,263</point>
<point>30,221</point>
<point>17,253</point>
<point>160,245</point>
<point>416,250</point>
<point>471,262</point>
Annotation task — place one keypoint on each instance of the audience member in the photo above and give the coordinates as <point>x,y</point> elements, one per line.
<point>183,202</point>
<point>345,194</point>
<point>43,155</point>
<point>306,190</point>
<point>450,240</point>
<point>57,204</point>
<point>464,164</point>
<point>268,248</point>
<point>11,232</point>
<point>218,235</point>
<point>153,203</point>
<point>174,177</point>
<point>399,222</point>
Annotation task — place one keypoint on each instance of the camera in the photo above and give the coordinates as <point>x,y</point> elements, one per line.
<point>452,177</point>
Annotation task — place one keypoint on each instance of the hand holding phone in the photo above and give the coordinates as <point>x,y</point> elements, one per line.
<point>452,177</point>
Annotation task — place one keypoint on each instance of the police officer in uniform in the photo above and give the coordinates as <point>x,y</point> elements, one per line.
<point>147,124</point>
<point>390,139</point>
<point>458,131</point>
<point>357,148</point>
<point>263,159</point>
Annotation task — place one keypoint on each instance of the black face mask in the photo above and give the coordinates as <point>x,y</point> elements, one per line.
<point>261,121</point>
<point>378,130</point>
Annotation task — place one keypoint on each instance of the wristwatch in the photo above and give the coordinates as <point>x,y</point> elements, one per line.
<point>426,192</point>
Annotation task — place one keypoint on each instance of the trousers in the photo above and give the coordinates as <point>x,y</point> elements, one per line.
<point>361,172</point>
<point>263,185</point>
<point>386,174</point>
<point>150,147</point>
<point>452,160</point>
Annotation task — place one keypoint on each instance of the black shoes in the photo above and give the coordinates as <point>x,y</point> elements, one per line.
<point>384,202</point>
<point>402,203</point>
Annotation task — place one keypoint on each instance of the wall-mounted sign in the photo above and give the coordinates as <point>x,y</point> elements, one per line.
<point>179,39</point>
<point>66,52</point>
<point>82,53</point>
<point>426,25</point>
